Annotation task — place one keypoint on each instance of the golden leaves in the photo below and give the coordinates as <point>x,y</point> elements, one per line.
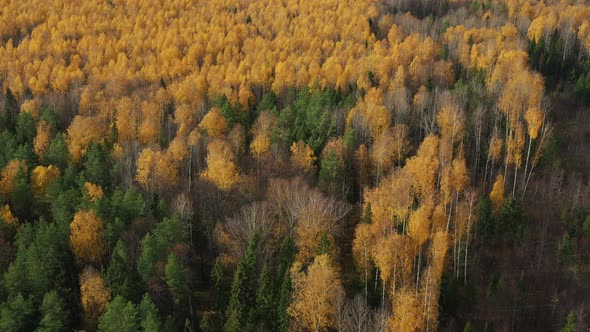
<point>7,182</point>
<point>302,156</point>
<point>316,294</point>
<point>86,238</point>
<point>93,191</point>
<point>497,193</point>
<point>41,177</point>
<point>94,294</point>
<point>221,166</point>
<point>214,123</point>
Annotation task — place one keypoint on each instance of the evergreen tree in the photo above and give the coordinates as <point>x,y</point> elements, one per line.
<point>22,197</point>
<point>219,287</point>
<point>54,313</point>
<point>57,152</point>
<point>26,130</point>
<point>242,297</point>
<point>148,313</point>
<point>121,275</point>
<point>330,169</point>
<point>571,325</point>
<point>283,317</point>
<point>176,279</point>
<point>324,247</point>
<point>120,316</point>
<point>16,314</point>
<point>265,299</point>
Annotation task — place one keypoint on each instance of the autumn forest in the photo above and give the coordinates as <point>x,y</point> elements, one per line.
<point>285,165</point>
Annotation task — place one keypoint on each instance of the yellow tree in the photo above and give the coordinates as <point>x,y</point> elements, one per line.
<point>82,132</point>
<point>145,168</point>
<point>94,295</point>
<point>214,123</point>
<point>93,191</point>
<point>261,133</point>
<point>302,156</point>
<point>7,216</point>
<point>316,294</point>
<point>41,141</point>
<point>407,312</point>
<point>86,238</point>
<point>7,182</point>
<point>221,165</point>
<point>497,193</point>
<point>41,177</point>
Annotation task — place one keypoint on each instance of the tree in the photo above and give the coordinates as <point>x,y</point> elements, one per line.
<point>121,275</point>
<point>302,156</point>
<point>176,278</point>
<point>219,287</point>
<point>265,303</point>
<point>87,238</point>
<point>16,314</point>
<point>41,177</point>
<point>119,316</point>
<point>497,193</point>
<point>9,174</point>
<point>242,292</point>
<point>83,131</point>
<point>214,123</point>
<point>571,324</point>
<point>407,314</point>
<point>316,294</point>
<point>54,312</point>
<point>57,152</point>
<point>221,166</point>
<point>43,138</point>
<point>148,315</point>
<point>95,296</point>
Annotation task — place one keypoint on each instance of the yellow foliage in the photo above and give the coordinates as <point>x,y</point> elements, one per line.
<point>86,238</point>
<point>497,193</point>
<point>214,123</point>
<point>41,177</point>
<point>316,294</point>
<point>221,166</point>
<point>302,156</point>
<point>7,182</point>
<point>94,295</point>
<point>43,138</point>
<point>93,191</point>
<point>7,216</point>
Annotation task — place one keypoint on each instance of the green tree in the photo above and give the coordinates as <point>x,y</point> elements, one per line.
<point>148,313</point>
<point>242,294</point>
<point>324,247</point>
<point>177,280</point>
<point>54,313</point>
<point>571,324</point>
<point>121,316</point>
<point>16,314</point>
<point>22,197</point>
<point>283,317</point>
<point>121,275</point>
<point>57,152</point>
<point>265,299</point>
<point>219,288</point>
<point>26,130</point>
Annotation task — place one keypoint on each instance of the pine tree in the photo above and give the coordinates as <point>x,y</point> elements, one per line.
<point>121,275</point>
<point>177,280</point>
<point>218,289</point>
<point>120,316</point>
<point>265,299</point>
<point>16,314</point>
<point>54,313</point>
<point>242,295</point>
<point>148,314</point>
<point>283,317</point>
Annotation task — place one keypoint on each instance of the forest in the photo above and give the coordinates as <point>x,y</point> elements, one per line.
<point>285,165</point>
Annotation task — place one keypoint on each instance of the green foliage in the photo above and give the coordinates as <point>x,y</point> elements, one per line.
<point>22,196</point>
<point>324,247</point>
<point>120,316</point>
<point>16,314</point>
<point>367,216</point>
<point>97,166</point>
<point>121,276</point>
<point>565,250</point>
<point>148,314</point>
<point>54,313</point>
<point>177,279</point>
<point>265,300</point>
<point>7,147</point>
<point>330,169</point>
<point>511,219</point>
<point>486,224</point>
<point>26,129</point>
<point>571,324</point>
<point>154,245</point>
<point>242,290</point>
<point>219,288</point>
<point>283,317</point>
<point>57,152</point>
